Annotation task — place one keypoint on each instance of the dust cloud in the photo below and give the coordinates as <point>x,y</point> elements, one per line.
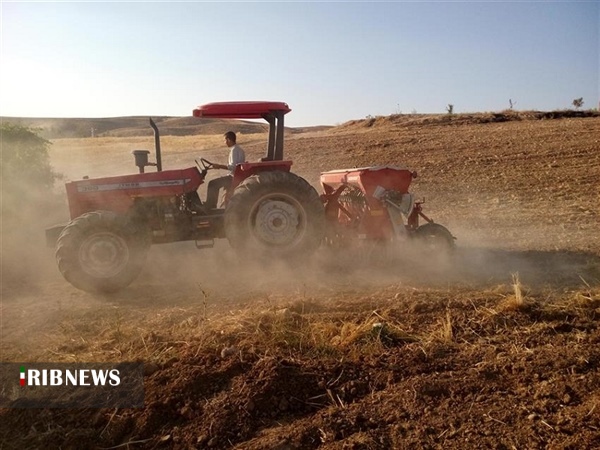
<point>37,301</point>
<point>494,241</point>
<point>28,265</point>
<point>365,266</point>
<point>26,212</point>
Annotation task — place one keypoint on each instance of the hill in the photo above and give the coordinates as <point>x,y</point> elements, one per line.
<point>59,128</point>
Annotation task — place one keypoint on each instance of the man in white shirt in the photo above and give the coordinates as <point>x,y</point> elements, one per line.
<point>236,156</point>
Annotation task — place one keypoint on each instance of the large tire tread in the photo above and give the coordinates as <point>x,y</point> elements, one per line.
<point>271,183</point>
<point>80,228</point>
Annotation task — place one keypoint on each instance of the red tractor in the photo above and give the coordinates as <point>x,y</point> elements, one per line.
<point>268,211</point>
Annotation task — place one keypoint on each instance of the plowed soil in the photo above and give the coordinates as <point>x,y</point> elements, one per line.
<point>363,348</point>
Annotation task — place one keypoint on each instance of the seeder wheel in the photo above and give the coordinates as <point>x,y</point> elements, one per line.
<point>435,238</point>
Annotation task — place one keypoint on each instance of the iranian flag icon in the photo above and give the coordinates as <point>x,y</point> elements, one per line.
<point>22,376</point>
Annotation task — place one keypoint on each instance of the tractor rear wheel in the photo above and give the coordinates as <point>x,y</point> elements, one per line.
<point>101,252</point>
<point>275,214</point>
<point>436,238</point>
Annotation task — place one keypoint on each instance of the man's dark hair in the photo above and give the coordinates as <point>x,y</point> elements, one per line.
<point>230,135</point>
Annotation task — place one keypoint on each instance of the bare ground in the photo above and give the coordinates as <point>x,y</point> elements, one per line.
<point>496,348</point>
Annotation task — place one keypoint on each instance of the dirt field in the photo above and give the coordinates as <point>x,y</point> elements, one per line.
<point>496,348</point>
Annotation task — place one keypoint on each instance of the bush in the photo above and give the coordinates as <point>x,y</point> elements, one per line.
<point>25,156</point>
<point>578,102</point>
<point>27,176</point>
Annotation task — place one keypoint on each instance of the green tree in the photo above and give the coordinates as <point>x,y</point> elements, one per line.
<point>578,102</point>
<point>27,176</point>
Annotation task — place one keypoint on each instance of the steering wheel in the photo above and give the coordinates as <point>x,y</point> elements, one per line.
<point>204,164</point>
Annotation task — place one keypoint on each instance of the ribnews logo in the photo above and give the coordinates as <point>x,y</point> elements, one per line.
<point>58,377</point>
<point>63,385</point>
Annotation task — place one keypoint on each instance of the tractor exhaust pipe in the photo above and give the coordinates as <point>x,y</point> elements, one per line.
<point>156,145</point>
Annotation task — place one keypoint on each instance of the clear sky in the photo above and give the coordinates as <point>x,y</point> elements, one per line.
<point>331,62</point>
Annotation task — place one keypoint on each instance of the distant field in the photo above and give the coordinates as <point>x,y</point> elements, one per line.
<point>123,127</point>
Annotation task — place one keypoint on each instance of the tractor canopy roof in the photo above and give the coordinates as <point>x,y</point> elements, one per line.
<point>241,110</point>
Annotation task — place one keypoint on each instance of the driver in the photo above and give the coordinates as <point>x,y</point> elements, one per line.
<point>236,156</point>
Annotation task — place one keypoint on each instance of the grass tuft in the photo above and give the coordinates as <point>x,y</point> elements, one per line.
<point>517,301</point>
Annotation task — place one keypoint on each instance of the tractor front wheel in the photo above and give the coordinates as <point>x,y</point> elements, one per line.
<point>275,214</point>
<point>101,252</point>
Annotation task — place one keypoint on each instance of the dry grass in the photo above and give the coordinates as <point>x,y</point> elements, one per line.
<point>517,300</point>
<point>303,335</point>
<point>118,334</point>
<point>276,327</point>
<point>300,326</point>
<point>447,330</point>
